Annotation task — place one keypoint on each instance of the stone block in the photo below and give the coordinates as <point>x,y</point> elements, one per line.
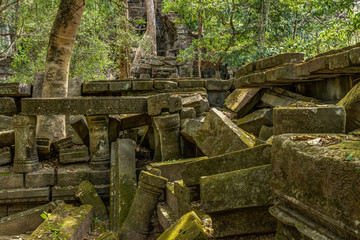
<point>339,60</point>
<point>8,106</point>
<point>216,128</point>
<point>108,236</point>
<point>7,138</point>
<point>3,211</point>
<point>43,146</point>
<point>191,83</point>
<point>185,193</point>
<point>187,112</point>
<point>5,156</point>
<point>217,85</point>
<point>10,179</point>
<point>189,128</point>
<point>187,227</point>
<point>130,121</point>
<point>74,87</point>
<point>351,102</point>
<point>21,207</point>
<point>62,143</point>
<point>273,100</point>
<point>87,194</point>
<point>119,86</point>
<point>63,193</point>
<point>253,122</point>
<point>79,124</point>
<point>217,98</point>
<point>41,178</point>
<point>172,169</point>
<point>38,84</point>
<point>74,155</point>
<point>142,85</point>
<point>278,60</point>
<point>95,87</point>
<point>99,177</point>
<point>122,181</point>
<point>316,178</point>
<point>199,103</point>
<point>243,188</point>
<point>74,222</point>
<point>15,90</point>
<point>266,132</point>
<point>241,101</point>
<point>170,197</point>
<point>5,123</point>
<point>83,105</point>
<point>165,215</point>
<point>72,175</point>
<point>245,69</point>
<point>25,221</point>
<point>161,84</point>
<point>247,158</point>
<point>24,195</point>
<point>157,103</point>
<point>328,119</point>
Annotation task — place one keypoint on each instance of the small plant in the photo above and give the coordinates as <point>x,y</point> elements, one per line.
<point>55,231</point>
<point>96,220</point>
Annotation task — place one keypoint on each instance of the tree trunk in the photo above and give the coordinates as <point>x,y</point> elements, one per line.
<point>200,32</point>
<point>124,53</point>
<point>61,43</point>
<point>150,34</point>
<point>266,20</point>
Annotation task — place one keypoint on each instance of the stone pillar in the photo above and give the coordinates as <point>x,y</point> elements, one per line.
<point>99,141</point>
<point>136,225</point>
<point>168,128</point>
<point>26,158</point>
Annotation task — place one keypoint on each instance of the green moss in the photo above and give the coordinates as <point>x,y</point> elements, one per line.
<point>351,97</point>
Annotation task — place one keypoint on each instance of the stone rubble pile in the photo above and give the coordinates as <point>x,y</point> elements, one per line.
<point>204,157</point>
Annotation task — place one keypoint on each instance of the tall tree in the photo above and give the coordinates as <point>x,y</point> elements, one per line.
<point>61,43</point>
<point>124,48</point>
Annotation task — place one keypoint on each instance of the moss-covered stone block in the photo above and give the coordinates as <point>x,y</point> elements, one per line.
<point>108,236</point>
<point>242,100</point>
<point>351,102</point>
<point>188,227</point>
<point>253,122</point>
<point>238,189</point>
<point>319,180</point>
<point>72,223</point>
<point>241,159</point>
<point>328,119</point>
<point>10,179</point>
<point>217,127</point>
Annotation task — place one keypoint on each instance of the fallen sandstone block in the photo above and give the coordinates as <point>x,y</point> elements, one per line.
<point>217,127</point>
<point>8,106</point>
<point>7,138</point>
<point>15,90</point>
<point>241,101</point>
<point>351,102</point>
<point>199,103</point>
<point>189,129</point>
<point>253,122</point>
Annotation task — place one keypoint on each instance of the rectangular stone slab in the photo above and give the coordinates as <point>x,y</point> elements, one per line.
<point>15,90</point>
<point>243,188</point>
<point>317,181</point>
<point>9,179</point>
<point>5,156</point>
<point>24,195</point>
<point>246,158</point>
<point>241,101</point>
<point>309,120</point>
<point>8,106</point>
<point>84,106</point>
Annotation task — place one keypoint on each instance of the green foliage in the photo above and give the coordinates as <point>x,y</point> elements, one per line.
<point>101,34</point>
<point>54,230</point>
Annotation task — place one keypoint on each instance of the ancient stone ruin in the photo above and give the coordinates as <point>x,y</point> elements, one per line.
<point>271,154</point>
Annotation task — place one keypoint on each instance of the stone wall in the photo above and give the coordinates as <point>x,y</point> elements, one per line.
<point>5,65</point>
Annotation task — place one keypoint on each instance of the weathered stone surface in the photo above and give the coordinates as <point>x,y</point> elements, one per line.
<point>10,179</point>
<point>83,105</point>
<point>185,193</point>
<point>119,86</point>
<point>108,236</point>
<point>188,227</point>
<point>187,112</point>
<point>316,181</point>
<point>243,188</point>
<point>25,221</point>
<point>129,121</point>
<point>87,194</point>
<point>266,132</point>
<point>165,215</point>
<point>329,119</point>
<point>8,106</point>
<point>171,198</point>
<point>189,128</point>
<point>159,102</point>
<point>72,175</point>
<point>246,221</point>
<point>15,90</point>
<point>74,222</point>
<point>199,103</point>
<point>142,85</point>
<point>351,102</point>
<point>24,195</point>
<point>161,84</point>
<point>123,181</point>
<point>237,160</point>
<point>216,128</point>
<point>38,84</point>
<point>217,85</point>
<point>25,157</point>
<point>168,129</point>
<point>296,96</point>
<point>43,146</point>
<point>63,193</point>
<point>191,83</point>
<point>172,170</point>
<point>136,225</point>
<point>79,124</point>
<point>74,155</point>
<point>5,156</point>
<point>241,101</point>
<point>5,123</point>
<point>114,127</point>
<point>41,178</point>
<point>95,87</point>
<point>3,211</point>
<point>274,100</point>
<point>217,98</point>
<point>253,122</point>
<point>62,143</point>
<point>99,141</point>
<point>7,138</point>
<point>99,177</point>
